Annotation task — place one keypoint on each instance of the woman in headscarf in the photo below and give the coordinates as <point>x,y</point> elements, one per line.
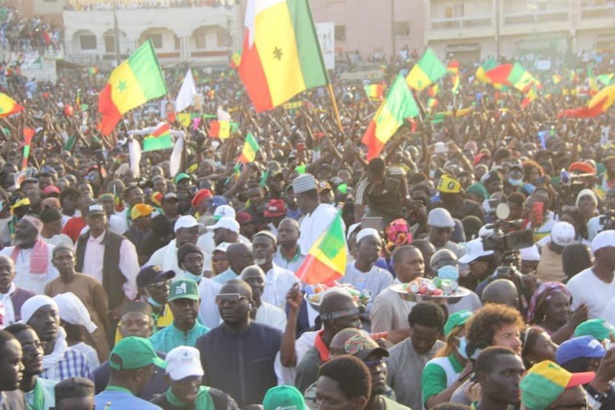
<point>396,234</point>
<point>550,309</point>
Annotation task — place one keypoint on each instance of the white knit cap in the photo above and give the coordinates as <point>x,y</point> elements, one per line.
<point>73,311</point>
<point>33,304</point>
<point>364,233</point>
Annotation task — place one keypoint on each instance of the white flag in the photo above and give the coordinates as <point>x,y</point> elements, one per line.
<point>187,92</point>
<point>134,154</point>
<point>223,115</point>
<point>176,156</point>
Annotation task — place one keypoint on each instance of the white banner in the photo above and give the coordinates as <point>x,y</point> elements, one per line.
<point>326,38</point>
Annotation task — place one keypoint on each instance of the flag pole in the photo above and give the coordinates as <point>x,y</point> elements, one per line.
<point>337,114</point>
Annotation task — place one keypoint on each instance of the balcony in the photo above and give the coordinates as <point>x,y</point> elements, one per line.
<point>460,22</point>
<point>597,12</point>
<point>535,17</point>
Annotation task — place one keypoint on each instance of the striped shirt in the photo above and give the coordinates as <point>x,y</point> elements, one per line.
<point>74,364</point>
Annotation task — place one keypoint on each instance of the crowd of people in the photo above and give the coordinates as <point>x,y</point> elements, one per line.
<point>126,285</point>
<point>21,34</point>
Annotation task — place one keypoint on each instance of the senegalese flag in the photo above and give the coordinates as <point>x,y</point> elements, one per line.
<point>606,79</point>
<point>220,129</point>
<point>432,103</point>
<point>160,138</point>
<point>8,106</point>
<point>235,60</point>
<point>250,148</point>
<point>326,260</point>
<point>92,70</point>
<point>481,71</point>
<point>428,70</point>
<point>599,104</point>
<point>281,54</point>
<point>441,116</point>
<point>557,78</point>
<point>573,77</point>
<point>529,97</point>
<point>453,70</point>
<point>433,90</point>
<point>398,105</point>
<point>185,119</point>
<point>133,83</point>
<point>374,91</point>
<point>28,133</point>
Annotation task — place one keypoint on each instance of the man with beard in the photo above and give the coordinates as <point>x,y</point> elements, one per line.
<point>190,258</point>
<point>185,330</point>
<point>184,374</point>
<point>499,371</point>
<point>11,373</point>
<point>239,256</point>
<point>390,312</point>
<point>288,254</point>
<point>362,273</point>
<point>60,361</point>
<point>238,355</point>
<point>11,297</point>
<point>38,392</point>
<point>278,280</point>
<point>264,313</point>
<point>32,256</point>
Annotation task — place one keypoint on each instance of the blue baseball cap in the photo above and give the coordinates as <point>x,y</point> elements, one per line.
<point>582,346</point>
<point>217,201</point>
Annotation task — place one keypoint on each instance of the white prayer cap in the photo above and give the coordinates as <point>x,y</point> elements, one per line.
<point>33,304</point>
<point>73,311</point>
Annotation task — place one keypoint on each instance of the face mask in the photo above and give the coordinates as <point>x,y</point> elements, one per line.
<point>196,278</point>
<point>515,182</point>
<point>448,272</point>
<point>463,343</point>
<point>529,188</point>
<point>152,302</point>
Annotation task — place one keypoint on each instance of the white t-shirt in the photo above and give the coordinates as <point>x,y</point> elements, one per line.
<point>587,288</point>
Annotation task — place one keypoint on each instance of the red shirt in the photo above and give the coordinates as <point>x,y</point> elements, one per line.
<point>73,227</point>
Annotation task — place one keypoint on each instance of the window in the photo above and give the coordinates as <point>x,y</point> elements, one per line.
<point>87,42</point>
<point>156,40</point>
<point>402,29</point>
<point>200,40</point>
<point>453,11</point>
<point>340,33</point>
<point>177,42</point>
<point>223,38</point>
<point>109,44</point>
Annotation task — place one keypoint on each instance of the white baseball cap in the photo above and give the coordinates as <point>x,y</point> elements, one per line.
<point>223,247</point>
<point>226,223</point>
<point>184,361</point>
<point>603,240</point>
<point>224,210</point>
<point>186,222</point>
<point>562,233</point>
<point>474,250</point>
<point>364,233</point>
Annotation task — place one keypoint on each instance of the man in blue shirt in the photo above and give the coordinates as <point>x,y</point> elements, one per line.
<point>132,364</point>
<point>184,304</point>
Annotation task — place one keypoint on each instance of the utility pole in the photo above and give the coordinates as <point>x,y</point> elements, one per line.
<point>116,35</point>
<point>393,44</point>
<point>497,29</point>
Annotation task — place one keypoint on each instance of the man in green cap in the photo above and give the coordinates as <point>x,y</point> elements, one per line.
<point>184,304</point>
<point>133,361</point>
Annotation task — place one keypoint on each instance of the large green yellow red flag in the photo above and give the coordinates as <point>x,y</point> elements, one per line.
<point>133,83</point>
<point>398,105</point>
<point>281,55</point>
<point>326,260</point>
<point>426,71</point>
<point>8,106</point>
<point>159,138</point>
<point>599,104</point>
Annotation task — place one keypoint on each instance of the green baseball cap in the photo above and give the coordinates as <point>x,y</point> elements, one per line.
<point>284,397</point>
<point>184,289</point>
<point>456,319</point>
<point>134,353</point>
<point>546,381</point>
<point>597,328</point>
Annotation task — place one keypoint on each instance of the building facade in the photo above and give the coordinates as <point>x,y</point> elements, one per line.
<point>477,29</point>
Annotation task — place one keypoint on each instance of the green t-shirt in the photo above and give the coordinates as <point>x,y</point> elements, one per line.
<point>438,374</point>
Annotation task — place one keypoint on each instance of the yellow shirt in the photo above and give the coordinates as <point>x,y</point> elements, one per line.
<point>160,322</point>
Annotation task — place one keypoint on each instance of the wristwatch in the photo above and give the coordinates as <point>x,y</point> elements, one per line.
<point>596,395</point>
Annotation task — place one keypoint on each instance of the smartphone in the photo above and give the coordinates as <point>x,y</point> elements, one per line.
<point>538,210</point>
<point>372,222</point>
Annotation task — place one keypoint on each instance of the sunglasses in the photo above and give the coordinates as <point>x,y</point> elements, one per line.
<point>229,298</point>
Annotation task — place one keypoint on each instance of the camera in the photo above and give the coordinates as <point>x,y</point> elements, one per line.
<point>607,221</point>
<point>504,242</point>
<point>570,187</point>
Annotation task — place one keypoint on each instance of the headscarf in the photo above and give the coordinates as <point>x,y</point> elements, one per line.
<point>398,234</point>
<point>542,295</point>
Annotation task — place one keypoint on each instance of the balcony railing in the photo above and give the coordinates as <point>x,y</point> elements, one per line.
<point>597,12</point>
<point>533,17</point>
<point>460,22</point>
